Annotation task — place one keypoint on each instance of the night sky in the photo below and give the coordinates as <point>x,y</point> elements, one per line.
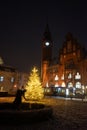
<point>22,25</point>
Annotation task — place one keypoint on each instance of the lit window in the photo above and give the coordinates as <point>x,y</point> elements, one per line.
<point>56,85</point>
<point>1,61</point>
<point>12,79</point>
<point>70,84</point>
<point>83,87</point>
<point>67,92</point>
<point>1,78</point>
<point>1,89</point>
<point>47,84</point>
<point>63,84</point>
<point>77,76</point>
<point>56,78</point>
<point>69,76</point>
<point>48,90</point>
<point>78,85</point>
<point>62,77</point>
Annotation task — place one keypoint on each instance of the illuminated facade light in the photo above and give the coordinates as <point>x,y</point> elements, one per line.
<point>1,78</point>
<point>47,84</point>
<point>67,92</point>
<point>15,86</point>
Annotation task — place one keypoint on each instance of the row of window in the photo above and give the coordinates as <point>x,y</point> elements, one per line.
<point>2,79</point>
<point>77,76</point>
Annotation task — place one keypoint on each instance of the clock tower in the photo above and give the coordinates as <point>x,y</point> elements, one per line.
<point>46,58</point>
<point>47,45</point>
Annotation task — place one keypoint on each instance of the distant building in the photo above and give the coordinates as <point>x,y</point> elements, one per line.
<point>8,78</point>
<point>69,69</point>
<point>11,79</point>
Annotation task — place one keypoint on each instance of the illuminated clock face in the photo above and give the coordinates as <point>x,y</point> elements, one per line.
<point>47,43</point>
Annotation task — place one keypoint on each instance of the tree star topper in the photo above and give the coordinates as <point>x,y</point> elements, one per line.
<point>34,70</point>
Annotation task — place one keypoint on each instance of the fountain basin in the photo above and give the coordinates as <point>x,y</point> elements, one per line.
<point>27,113</point>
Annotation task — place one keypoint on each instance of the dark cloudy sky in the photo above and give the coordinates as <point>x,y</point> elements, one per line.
<point>23,23</point>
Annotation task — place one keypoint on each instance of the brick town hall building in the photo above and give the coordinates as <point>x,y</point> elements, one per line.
<point>69,72</point>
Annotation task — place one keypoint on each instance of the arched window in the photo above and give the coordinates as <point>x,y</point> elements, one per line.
<point>78,85</point>
<point>77,76</point>
<point>62,78</point>
<point>70,84</point>
<point>69,76</point>
<point>63,84</point>
<point>56,77</point>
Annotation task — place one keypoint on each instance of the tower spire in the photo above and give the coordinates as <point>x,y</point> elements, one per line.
<point>47,34</point>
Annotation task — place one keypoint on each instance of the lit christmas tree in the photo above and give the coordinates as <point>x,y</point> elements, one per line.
<point>34,90</point>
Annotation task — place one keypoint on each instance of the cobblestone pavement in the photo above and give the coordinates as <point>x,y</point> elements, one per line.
<point>67,115</point>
